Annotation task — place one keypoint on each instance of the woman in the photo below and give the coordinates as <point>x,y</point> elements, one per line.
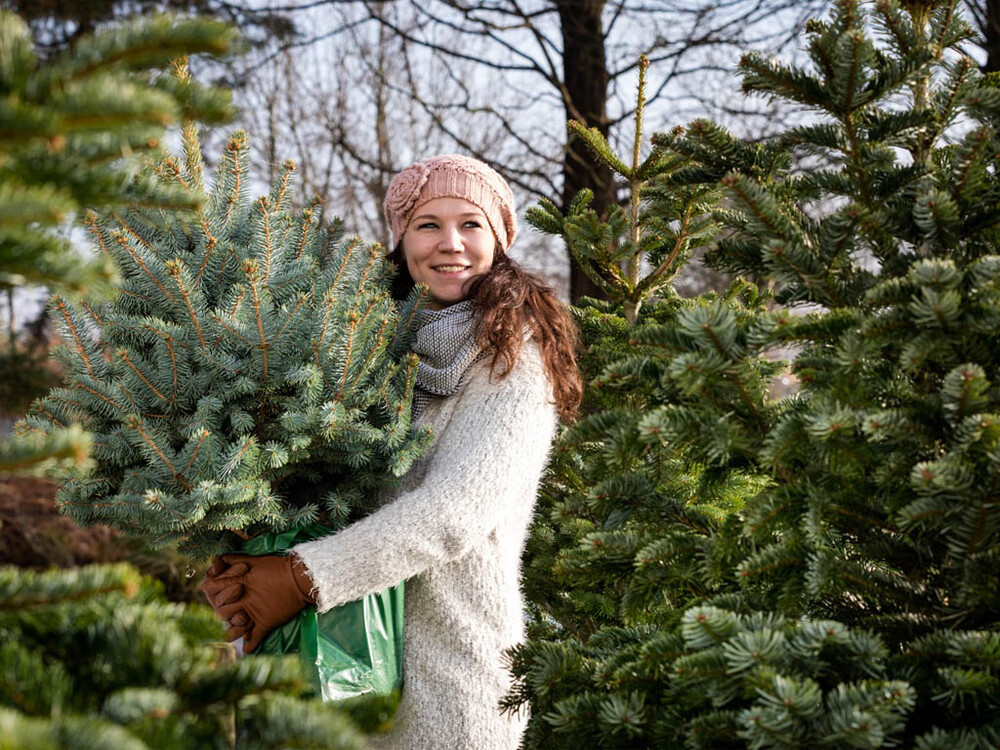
<point>497,369</point>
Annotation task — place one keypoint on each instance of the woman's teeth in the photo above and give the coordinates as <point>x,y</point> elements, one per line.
<point>449,269</point>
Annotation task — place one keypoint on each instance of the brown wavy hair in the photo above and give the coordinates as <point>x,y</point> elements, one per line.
<point>505,301</point>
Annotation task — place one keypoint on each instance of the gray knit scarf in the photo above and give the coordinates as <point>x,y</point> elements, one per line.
<point>445,341</point>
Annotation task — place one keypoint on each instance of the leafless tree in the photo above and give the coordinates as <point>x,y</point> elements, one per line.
<point>498,79</point>
<point>355,89</point>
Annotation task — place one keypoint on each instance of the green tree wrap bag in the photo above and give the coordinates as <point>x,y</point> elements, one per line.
<point>351,650</point>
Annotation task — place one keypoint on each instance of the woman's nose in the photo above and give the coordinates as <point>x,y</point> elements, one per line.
<point>451,239</point>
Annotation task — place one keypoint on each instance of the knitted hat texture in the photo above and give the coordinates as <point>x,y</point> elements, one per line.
<point>451,176</point>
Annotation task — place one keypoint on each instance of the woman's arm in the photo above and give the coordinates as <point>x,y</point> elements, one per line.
<point>490,456</point>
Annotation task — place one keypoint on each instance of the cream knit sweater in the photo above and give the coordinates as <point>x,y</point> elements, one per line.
<point>454,532</point>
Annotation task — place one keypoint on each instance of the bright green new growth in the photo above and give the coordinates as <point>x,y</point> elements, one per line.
<point>251,374</point>
<point>849,598</point>
<point>96,658</point>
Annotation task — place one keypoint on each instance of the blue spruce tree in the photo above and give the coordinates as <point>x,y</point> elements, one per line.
<point>251,374</point>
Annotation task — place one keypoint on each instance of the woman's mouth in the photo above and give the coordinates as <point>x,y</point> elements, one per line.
<point>450,269</point>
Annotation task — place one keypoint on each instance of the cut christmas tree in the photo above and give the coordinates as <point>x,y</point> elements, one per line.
<point>248,388</point>
<point>251,375</point>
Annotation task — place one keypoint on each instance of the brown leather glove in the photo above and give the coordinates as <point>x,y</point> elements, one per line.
<point>256,594</point>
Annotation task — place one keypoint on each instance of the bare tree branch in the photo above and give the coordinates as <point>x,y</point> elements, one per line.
<point>497,79</point>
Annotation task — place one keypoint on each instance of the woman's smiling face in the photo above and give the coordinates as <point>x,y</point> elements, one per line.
<point>448,242</point>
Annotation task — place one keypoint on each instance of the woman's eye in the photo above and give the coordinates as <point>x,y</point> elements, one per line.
<point>473,224</point>
<point>427,225</point>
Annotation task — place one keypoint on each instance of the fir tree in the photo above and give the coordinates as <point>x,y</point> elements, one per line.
<point>631,518</point>
<point>95,658</point>
<point>858,603</point>
<point>251,374</point>
<point>614,494</point>
<point>68,124</point>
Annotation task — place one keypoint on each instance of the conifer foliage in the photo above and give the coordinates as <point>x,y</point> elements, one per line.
<point>70,124</point>
<point>95,658</point>
<point>616,503</point>
<point>251,374</point>
<point>69,121</point>
<point>851,600</point>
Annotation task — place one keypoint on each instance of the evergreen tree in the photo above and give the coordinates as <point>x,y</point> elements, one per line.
<point>611,490</point>
<point>69,121</point>
<point>631,518</point>
<point>95,658</point>
<point>68,124</point>
<point>251,374</point>
<point>856,603</point>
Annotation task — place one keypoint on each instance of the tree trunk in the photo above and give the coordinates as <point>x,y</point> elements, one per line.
<point>991,31</point>
<point>585,95</point>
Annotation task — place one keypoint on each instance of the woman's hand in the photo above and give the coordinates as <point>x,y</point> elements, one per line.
<point>256,594</point>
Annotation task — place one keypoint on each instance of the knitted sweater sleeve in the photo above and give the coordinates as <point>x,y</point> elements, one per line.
<point>488,458</point>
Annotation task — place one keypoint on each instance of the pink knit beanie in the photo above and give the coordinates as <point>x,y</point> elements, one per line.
<point>451,176</point>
